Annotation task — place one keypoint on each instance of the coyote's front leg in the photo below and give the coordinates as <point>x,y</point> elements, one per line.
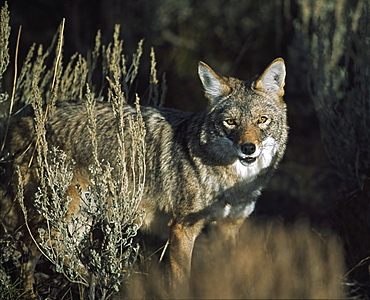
<point>227,230</point>
<point>182,238</point>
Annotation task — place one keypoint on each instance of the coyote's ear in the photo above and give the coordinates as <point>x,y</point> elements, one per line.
<point>215,86</point>
<point>273,78</point>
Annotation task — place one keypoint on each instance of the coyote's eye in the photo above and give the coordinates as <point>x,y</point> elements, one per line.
<point>230,123</point>
<point>262,119</point>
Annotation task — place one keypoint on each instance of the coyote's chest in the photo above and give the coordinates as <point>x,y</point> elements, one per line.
<point>230,186</point>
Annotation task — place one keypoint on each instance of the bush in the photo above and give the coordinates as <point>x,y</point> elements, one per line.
<point>333,35</point>
<point>94,247</point>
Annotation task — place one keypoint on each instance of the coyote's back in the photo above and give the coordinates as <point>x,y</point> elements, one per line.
<point>201,167</point>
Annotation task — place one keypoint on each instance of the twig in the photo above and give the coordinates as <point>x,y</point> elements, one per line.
<point>361,263</point>
<point>14,87</point>
<point>52,85</point>
<point>164,250</point>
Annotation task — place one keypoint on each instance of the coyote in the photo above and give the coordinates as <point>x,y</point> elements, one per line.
<point>201,168</point>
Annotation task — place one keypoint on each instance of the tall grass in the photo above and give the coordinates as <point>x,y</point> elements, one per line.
<point>270,261</point>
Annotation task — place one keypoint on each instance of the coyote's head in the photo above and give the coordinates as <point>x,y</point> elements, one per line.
<point>246,121</point>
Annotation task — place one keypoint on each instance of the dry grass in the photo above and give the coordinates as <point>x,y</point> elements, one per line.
<point>270,261</point>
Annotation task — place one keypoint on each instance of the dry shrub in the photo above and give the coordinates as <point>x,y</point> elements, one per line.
<point>333,38</point>
<point>110,204</point>
<point>334,41</point>
<point>352,222</point>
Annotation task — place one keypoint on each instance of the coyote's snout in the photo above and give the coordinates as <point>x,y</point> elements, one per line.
<point>250,145</point>
<point>202,167</point>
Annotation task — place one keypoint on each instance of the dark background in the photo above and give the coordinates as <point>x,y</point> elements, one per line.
<point>237,38</point>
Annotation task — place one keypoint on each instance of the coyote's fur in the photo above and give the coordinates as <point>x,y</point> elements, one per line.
<point>203,167</point>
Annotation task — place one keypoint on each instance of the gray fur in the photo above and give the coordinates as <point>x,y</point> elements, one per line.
<point>196,170</point>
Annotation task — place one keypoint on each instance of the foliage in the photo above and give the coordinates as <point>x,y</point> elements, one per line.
<point>93,246</point>
<point>335,34</point>
<point>4,40</point>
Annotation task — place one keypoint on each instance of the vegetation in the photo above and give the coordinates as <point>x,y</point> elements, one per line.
<point>67,241</point>
<point>335,36</point>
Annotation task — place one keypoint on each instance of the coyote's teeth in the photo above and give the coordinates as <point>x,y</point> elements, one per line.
<point>248,160</point>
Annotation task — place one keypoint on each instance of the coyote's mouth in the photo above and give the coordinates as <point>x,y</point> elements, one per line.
<point>246,161</point>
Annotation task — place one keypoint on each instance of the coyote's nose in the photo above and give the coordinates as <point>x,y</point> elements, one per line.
<point>248,148</point>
